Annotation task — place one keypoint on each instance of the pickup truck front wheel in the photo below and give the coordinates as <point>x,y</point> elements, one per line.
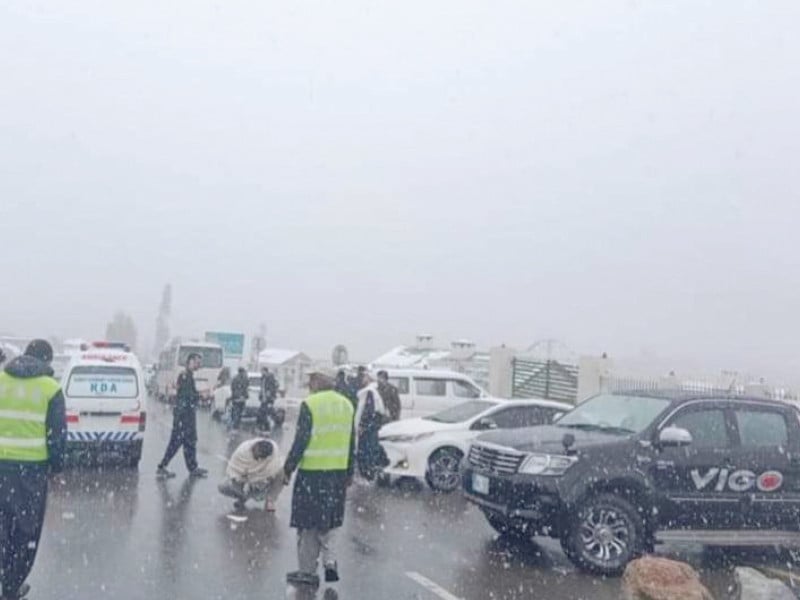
<point>604,534</point>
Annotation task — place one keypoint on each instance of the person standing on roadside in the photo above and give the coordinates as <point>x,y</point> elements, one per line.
<point>267,398</point>
<point>371,415</point>
<point>390,396</point>
<point>343,386</point>
<point>322,453</point>
<point>184,423</point>
<point>240,391</point>
<point>33,439</point>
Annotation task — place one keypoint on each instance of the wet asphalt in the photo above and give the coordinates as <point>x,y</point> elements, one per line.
<point>120,533</point>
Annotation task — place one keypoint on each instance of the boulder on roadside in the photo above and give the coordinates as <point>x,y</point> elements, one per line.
<point>754,585</point>
<point>655,578</point>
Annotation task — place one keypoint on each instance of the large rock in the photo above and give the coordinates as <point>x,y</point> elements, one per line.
<point>752,585</point>
<point>653,578</point>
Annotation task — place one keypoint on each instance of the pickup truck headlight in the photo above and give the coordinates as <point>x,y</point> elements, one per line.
<point>546,464</point>
<point>406,438</point>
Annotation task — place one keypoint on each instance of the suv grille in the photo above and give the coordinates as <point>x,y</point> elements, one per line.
<point>495,459</point>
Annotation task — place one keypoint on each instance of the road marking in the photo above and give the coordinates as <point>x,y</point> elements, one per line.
<point>431,586</point>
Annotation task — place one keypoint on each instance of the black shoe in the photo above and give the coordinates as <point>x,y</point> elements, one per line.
<point>302,578</point>
<point>331,573</point>
<point>163,473</point>
<point>198,473</point>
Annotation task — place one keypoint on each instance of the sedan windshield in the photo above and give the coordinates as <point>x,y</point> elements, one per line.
<point>616,414</point>
<point>461,412</point>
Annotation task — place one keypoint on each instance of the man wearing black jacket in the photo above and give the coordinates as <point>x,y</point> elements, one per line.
<point>33,438</point>
<point>240,391</point>
<point>184,423</point>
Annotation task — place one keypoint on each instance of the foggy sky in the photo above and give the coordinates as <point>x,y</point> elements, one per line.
<point>618,175</point>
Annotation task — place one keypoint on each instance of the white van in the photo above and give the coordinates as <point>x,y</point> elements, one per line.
<point>105,396</point>
<point>173,360</point>
<point>427,391</point>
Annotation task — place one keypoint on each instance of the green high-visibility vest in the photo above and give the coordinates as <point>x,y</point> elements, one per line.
<point>23,416</point>
<point>331,430</point>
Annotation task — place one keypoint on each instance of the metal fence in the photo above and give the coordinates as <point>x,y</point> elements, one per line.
<point>696,385</point>
<point>548,379</point>
<point>631,384</point>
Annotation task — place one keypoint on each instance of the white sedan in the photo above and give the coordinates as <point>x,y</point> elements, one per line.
<point>431,448</point>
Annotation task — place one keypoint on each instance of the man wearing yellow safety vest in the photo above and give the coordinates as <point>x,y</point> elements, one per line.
<point>322,453</point>
<point>33,437</point>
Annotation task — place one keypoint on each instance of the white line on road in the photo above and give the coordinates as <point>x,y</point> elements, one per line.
<point>431,586</point>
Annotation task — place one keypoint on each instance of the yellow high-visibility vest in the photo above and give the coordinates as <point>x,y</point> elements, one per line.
<point>331,430</point>
<point>23,416</point>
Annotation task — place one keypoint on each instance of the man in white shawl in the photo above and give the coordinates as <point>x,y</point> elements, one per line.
<point>255,472</point>
<point>371,415</point>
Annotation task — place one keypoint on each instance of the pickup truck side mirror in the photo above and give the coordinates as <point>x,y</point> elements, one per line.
<point>484,424</point>
<point>674,437</point>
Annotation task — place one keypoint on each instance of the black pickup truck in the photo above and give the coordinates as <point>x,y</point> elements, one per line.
<point>622,472</point>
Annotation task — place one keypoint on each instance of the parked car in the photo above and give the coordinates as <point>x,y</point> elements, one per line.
<point>431,448</point>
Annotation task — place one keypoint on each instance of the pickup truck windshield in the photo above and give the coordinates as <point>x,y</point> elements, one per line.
<point>616,414</point>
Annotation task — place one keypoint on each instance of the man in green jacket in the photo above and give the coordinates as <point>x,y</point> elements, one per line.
<point>33,438</point>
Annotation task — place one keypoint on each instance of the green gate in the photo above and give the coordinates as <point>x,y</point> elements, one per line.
<point>548,379</point>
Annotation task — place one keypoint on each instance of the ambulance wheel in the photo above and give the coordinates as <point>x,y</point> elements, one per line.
<point>604,535</point>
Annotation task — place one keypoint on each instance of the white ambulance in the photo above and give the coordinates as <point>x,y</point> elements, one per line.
<point>105,397</point>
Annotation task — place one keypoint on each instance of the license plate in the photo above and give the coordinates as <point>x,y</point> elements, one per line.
<point>480,484</point>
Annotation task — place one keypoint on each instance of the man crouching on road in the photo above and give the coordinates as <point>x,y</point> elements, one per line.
<point>255,472</point>
<point>322,453</point>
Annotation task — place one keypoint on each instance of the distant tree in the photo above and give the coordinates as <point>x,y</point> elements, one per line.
<point>122,329</point>
<point>162,321</point>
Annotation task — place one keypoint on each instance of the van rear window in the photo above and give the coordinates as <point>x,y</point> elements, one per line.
<point>102,382</point>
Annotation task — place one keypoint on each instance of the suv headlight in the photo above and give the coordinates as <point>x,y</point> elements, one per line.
<point>546,464</point>
<point>406,438</point>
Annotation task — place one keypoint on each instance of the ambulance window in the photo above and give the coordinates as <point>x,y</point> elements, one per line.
<point>102,382</point>
<point>761,428</point>
<point>708,427</point>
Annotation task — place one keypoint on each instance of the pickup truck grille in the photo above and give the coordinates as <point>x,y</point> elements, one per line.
<point>495,459</point>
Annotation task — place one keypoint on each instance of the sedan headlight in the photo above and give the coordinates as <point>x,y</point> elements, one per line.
<point>547,464</point>
<point>406,438</point>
